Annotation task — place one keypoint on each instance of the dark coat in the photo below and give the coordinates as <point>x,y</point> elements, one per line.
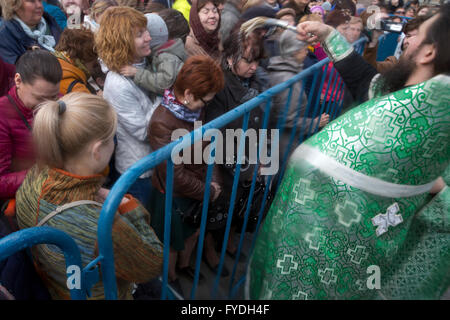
<point>188,179</point>
<point>15,42</point>
<point>357,75</point>
<point>234,94</point>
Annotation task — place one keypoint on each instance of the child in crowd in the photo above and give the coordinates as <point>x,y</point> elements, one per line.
<point>167,58</point>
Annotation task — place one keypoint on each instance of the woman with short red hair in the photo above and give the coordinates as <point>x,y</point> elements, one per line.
<point>197,83</point>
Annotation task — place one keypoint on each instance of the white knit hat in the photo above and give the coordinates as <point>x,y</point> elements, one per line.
<point>157,29</point>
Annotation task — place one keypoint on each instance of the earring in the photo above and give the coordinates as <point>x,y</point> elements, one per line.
<point>186,102</point>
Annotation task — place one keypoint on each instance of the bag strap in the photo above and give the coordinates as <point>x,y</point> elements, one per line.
<point>65,207</point>
<point>18,111</point>
<point>71,85</point>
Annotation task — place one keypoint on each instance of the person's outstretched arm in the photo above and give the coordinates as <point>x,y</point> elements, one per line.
<point>354,70</point>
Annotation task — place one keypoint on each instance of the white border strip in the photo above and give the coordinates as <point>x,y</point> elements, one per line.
<point>356,179</point>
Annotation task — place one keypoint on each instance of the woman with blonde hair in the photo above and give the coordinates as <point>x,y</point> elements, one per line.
<point>26,26</point>
<point>92,21</point>
<point>74,142</point>
<point>123,39</point>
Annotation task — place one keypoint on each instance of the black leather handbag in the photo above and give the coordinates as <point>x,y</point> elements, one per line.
<point>255,207</point>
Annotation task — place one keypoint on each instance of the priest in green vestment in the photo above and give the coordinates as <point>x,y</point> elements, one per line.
<point>353,217</point>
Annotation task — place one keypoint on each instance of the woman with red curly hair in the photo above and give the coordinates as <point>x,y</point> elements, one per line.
<point>123,39</point>
<point>198,81</point>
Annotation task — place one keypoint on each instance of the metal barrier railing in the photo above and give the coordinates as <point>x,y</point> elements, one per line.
<point>26,238</point>
<point>164,154</point>
<point>333,107</point>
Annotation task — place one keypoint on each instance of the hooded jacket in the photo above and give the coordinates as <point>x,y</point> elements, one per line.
<point>229,18</point>
<point>280,70</point>
<point>166,63</point>
<point>236,92</point>
<point>15,41</point>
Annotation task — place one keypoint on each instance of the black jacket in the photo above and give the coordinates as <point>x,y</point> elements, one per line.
<point>235,93</point>
<point>357,75</point>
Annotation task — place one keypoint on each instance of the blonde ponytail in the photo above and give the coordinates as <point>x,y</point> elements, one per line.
<point>63,128</point>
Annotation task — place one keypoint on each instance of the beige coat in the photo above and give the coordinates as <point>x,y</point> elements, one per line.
<point>193,47</point>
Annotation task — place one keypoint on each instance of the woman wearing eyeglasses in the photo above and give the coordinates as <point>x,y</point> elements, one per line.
<point>243,81</point>
<point>198,81</point>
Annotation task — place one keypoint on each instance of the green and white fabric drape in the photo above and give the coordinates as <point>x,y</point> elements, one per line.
<point>355,197</point>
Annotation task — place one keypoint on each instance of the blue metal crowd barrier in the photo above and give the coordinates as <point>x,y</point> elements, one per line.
<point>333,107</point>
<point>164,154</point>
<point>26,238</point>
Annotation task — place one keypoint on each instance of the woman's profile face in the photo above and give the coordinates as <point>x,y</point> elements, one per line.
<point>245,67</point>
<point>36,92</point>
<point>31,12</point>
<point>142,44</point>
<point>209,17</point>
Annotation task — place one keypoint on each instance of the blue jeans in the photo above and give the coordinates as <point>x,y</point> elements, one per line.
<point>140,189</point>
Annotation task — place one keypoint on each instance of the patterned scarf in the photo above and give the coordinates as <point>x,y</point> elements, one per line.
<point>208,41</point>
<point>39,34</point>
<point>178,109</point>
<point>76,62</point>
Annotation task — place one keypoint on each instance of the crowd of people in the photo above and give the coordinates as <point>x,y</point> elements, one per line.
<point>88,88</point>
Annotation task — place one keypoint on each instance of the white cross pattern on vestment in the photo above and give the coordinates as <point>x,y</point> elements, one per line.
<point>383,220</point>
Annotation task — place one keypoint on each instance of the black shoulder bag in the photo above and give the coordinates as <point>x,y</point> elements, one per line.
<point>19,112</point>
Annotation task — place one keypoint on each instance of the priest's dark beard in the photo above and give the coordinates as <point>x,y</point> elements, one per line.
<point>395,78</point>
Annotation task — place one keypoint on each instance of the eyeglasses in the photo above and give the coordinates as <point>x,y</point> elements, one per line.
<point>205,103</point>
<point>400,12</point>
